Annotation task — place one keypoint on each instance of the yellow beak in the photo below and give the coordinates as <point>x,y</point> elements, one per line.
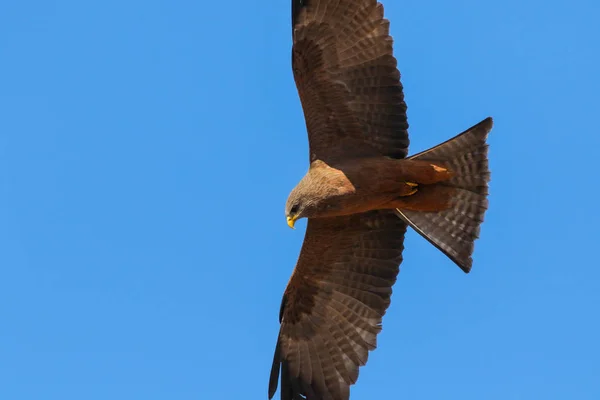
<point>291,221</point>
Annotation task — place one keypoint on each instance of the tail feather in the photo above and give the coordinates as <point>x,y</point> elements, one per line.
<point>455,229</point>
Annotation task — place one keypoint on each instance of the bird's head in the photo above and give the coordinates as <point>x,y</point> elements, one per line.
<point>314,196</point>
<point>302,202</point>
<point>294,207</point>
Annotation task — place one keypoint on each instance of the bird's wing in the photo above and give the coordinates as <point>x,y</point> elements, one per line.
<point>347,79</point>
<point>333,305</point>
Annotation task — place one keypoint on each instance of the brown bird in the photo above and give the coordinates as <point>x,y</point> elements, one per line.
<point>360,194</point>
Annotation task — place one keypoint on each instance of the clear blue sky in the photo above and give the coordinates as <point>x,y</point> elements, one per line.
<point>146,152</point>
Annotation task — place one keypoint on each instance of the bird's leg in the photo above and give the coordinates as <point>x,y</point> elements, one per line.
<point>428,198</point>
<point>423,172</point>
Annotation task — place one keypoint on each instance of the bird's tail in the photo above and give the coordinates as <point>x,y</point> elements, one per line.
<point>455,229</point>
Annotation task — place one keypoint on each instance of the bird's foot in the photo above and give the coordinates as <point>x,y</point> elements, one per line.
<point>414,187</point>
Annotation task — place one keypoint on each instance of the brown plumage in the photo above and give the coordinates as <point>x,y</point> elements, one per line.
<point>359,195</point>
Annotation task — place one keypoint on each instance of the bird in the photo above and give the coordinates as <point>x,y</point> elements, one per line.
<point>359,195</point>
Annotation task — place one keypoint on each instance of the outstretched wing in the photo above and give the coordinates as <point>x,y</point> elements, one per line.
<point>333,305</point>
<point>347,79</point>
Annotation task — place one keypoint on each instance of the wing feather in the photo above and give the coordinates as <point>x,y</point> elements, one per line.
<point>347,79</point>
<point>334,303</point>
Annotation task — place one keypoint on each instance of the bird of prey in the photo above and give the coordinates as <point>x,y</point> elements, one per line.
<point>360,193</point>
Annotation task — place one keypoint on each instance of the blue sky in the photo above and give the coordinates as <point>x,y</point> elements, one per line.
<point>146,153</point>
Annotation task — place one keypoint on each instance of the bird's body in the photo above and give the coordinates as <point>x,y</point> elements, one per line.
<point>360,194</point>
<point>366,184</point>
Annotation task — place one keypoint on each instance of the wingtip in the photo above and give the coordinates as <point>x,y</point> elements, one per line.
<point>466,268</point>
<point>274,376</point>
<point>488,123</point>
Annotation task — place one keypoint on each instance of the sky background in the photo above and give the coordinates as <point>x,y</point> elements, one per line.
<point>146,152</point>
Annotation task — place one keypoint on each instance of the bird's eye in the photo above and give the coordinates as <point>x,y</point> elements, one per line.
<point>294,209</point>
